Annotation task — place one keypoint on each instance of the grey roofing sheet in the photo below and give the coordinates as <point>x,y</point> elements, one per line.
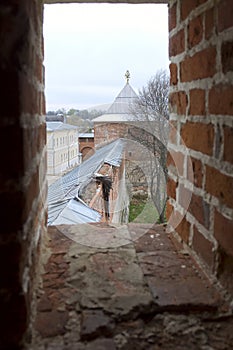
<point>51,126</point>
<point>68,187</point>
<point>76,212</point>
<point>86,135</point>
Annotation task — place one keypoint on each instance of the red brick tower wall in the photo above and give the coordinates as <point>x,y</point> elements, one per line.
<point>22,148</point>
<point>201,105</point>
<point>107,132</point>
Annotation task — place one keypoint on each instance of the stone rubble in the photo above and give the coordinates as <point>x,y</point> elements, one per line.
<point>147,294</point>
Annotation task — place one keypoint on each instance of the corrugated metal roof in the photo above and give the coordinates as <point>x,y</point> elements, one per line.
<point>76,212</point>
<point>52,126</point>
<point>68,187</point>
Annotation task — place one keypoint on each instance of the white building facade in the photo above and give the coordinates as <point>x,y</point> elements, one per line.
<point>62,147</point>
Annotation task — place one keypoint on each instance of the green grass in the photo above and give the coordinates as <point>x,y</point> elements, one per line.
<point>142,211</point>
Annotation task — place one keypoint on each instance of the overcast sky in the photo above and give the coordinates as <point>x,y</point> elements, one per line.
<point>89,47</point>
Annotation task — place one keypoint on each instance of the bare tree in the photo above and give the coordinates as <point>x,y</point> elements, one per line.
<point>151,114</point>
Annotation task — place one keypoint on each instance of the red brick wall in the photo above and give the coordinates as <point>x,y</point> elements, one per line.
<point>22,180</point>
<point>201,105</point>
<point>86,147</point>
<point>107,132</point>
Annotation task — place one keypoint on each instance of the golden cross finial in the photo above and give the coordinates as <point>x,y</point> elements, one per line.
<point>127,75</point>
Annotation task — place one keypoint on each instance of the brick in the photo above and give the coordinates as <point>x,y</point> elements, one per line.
<point>184,196</point>
<point>170,160</point>
<point>225,270</point>
<point>197,102</point>
<point>195,31</point>
<point>203,247</point>
<point>178,102</point>
<point>171,188</point>
<point>169,210</point>
<point>225,15</point>
<point>197,172</point>
<point>220,100</point>
<point>200,210</point>
<point>177,161</point>
<point>228,143</point>
<point>227,56</point>
<point>219,185</point>
<point>209,23</point>
<point>201,65</point>
<point>218,141</point>
<point>223,232</point>
<point>173,132</point>
<point>177,43</point>
<point>198,136</point>
<point>173,74</point>
<point>172,17</point>
<point>183,228</point>
<point>188,6</point>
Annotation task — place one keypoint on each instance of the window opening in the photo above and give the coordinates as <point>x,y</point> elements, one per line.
<point>91,75</point>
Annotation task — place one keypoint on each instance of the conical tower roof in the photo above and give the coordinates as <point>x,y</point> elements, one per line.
<point>120,110</point>
<point>123,101</point>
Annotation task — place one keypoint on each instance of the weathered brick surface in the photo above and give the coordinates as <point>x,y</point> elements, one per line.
<point>225,15</point>
<point>178,102</point>
<point>188,6</point>
<point>184,195</point>
<point>195,31</point>
<point>227,56</point>
<point>220,100</point>
<point>172,17</point>
<point>197,172</point>
<point>199,137</point>
<point>203,247</point>
<point>219,185</point>
<point>183,229</point>
<point>177,160</point>
<point>177,43</point>
<point>171,188</point>
<point>199,66</point>
<point>199,208</point>
<point>228,142</point>
<point>223,232</point>
<point>173,74</point>
<point>173,131</point>
<point>197,102</point>
<point>209,23</point>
